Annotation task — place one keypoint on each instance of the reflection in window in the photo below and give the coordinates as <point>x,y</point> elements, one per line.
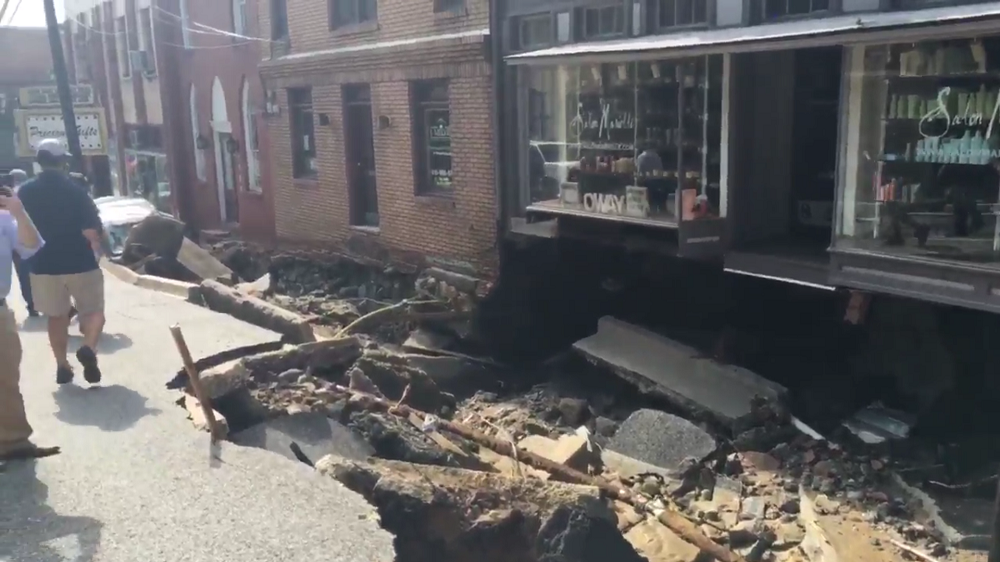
<point>432,135</point>
<point>563,27</point>
<point>922,151</point>
<point>628,140</point>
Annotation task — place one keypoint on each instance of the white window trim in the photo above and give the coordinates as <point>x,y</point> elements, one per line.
<point>151,55</point>
<point>252,152</point>
<point>199,155</point>
<point>185,25</point>
<point>240,17</point>
<point>124,66</point>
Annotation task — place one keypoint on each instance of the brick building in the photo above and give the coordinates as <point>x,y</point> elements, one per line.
<point>380,121</point>
<point>182,98</point>
<point>218,100</point>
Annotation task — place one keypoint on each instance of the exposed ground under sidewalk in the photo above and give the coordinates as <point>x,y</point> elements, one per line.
<point>134,482</point>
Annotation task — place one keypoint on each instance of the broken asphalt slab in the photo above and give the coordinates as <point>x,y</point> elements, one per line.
<point>664,368</point>
<point>135,482</point>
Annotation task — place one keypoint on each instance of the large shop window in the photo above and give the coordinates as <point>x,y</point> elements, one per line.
<point>922,151</point>
<point>637,140</point>
<point>432,136</point>
<point>147,178</point>
<point>303,135</point>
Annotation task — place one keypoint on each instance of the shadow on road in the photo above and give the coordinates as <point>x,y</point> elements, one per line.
<point>109,408</point>
<point>109,344</point>
<point>33,531</point>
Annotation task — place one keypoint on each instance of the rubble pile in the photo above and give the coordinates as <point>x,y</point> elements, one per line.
<point>463,461</point>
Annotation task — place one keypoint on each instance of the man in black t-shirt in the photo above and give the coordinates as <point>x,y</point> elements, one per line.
<point>66,271</point>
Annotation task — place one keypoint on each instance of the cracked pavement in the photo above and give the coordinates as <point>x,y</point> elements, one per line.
<point>134,480</point>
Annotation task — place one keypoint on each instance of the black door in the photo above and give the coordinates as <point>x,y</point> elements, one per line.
<point>359,137</point>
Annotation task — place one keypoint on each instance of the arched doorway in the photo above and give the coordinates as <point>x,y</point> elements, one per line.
<point>222,131</point>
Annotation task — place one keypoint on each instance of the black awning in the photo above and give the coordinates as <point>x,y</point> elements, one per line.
<point>873,27</point>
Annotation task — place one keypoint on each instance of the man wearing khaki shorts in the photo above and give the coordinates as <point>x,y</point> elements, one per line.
<point>65,271</point>
<point>18,236</point>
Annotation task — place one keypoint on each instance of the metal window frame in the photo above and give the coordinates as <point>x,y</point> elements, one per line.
<point>359,6</point>
<point>657,8</point>
<point>581,20</point>
<point>522,20</point>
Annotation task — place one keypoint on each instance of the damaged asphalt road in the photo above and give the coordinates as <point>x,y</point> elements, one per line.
<point>134,482</point>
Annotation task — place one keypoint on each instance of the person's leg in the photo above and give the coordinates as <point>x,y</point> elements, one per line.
<point>24,279</point>
<point>87,291</point>
<point>14,427</point>
<point>52,299</point>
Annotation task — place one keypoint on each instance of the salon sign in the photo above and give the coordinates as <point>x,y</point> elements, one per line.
<point>34,125</point>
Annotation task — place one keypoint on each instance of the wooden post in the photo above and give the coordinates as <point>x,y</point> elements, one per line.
<point>199,392</point>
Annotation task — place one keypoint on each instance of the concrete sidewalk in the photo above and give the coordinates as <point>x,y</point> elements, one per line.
<point>134,482</point>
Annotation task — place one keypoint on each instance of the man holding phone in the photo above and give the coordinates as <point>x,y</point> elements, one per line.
<point>18,236</point>
<point>65,271</point>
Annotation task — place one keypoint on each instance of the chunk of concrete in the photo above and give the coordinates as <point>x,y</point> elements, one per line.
<point>200,262</point>
<point>227,300</point>
<point>657,543</point>
<point>569,450</point>
<point>316,435</point>
<point>197,416</point>
<point>661,439</point>
<point>667,369</point>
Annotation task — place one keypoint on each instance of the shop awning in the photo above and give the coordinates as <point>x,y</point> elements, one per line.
<point>910,25</point>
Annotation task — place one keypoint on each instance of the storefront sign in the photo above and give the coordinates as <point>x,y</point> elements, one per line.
<point>972,115</point>
<point>604,203</point>
<point>603,122</point>
<point>35,125</point>
<point>48,96</point>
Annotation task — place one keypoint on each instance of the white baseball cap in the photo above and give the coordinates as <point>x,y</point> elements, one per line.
<point>55,147</point>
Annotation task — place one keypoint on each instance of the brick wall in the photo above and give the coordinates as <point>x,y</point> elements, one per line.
<point>210,56</point>
<point>456,230</point>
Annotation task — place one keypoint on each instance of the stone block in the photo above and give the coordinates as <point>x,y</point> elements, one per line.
<point>661,439</point>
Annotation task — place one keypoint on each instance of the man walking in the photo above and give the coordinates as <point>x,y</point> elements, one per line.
<point>17,236</point>
<point>65,271</point>
<point>18,177</point>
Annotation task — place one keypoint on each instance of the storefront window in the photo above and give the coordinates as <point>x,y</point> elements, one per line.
<point>633,140</point>
<point>922,151</point>
<point>148,178</point>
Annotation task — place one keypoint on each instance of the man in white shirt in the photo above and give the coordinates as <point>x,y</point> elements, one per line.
<point>18,177</point>
<point>18,235</point>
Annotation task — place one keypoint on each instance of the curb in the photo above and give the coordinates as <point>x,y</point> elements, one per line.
<point>180,289</point>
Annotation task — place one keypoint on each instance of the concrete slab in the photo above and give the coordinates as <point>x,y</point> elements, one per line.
<point>316,434</point>
<point>668,369</point>
<point>202,263</point>
<point>661,439</point>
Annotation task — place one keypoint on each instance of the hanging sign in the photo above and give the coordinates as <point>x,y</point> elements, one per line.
<point>35,125</point>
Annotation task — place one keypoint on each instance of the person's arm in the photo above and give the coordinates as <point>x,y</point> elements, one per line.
<point>20,230</point>
<point>93,228</point>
